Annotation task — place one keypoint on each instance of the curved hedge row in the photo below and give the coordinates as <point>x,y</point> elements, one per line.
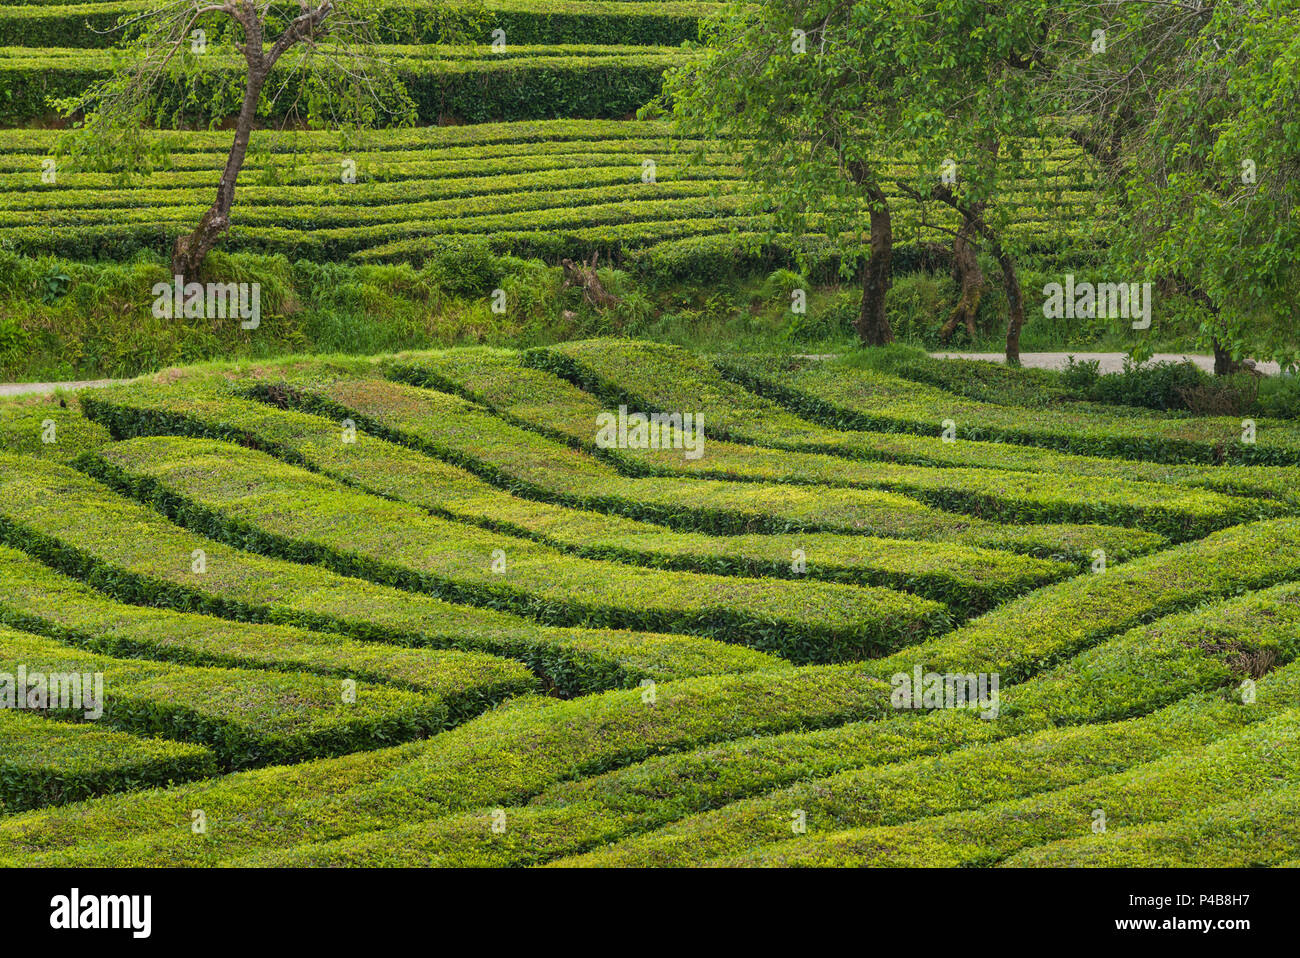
<point>881,769</point>
<point>81,528</point>
<point>847,397</point>
<point>546,403</point>
<point>1235,767</point>
<point>535,466</point>
<point>966,579</point>
<point>665,379</point>
<point>500,379</point>
<point>468,767</point>
<point>247,717</point>
<point>50,763</point>
<point>1044,627</point>
<point>249,499</point>
<point>543,180</point>
<point>48,428</point>
<point>653,376</point>
<point>1255,832</point>
<point>36,599</point>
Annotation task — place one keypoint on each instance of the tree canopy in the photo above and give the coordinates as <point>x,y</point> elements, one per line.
<point>1187,112</point>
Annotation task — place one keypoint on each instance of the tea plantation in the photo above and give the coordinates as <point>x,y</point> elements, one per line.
<point>435,620</point>
<point>596,599</point>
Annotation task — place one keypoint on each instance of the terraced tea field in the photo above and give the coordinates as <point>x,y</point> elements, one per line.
<point>466,607</point>
<point>546,189</point>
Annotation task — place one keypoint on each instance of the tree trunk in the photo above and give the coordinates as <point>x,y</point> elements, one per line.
<point>970,283</point>
<point>190,251</point>
<point>873,321</point>
<point>1015,305</point>
<point>1224,364</point>
<point>583,275</point>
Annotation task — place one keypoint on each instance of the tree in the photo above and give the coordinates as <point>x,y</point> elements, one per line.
<point>821,98</point>
<point>249,56</point>
<point>973,118</point>
<point>1188,110</point>
<point>1213,186</point>
<point>798,95</point>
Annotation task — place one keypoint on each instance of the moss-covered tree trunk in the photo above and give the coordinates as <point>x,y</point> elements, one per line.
<point>968,276</point>
<point>877,274</point>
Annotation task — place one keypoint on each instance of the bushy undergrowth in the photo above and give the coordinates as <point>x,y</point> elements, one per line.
<point>1165,386</point>
<point>63,319</point>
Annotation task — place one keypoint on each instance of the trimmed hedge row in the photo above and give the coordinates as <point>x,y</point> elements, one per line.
<point>81,528</point>
<point>1211,646</point>
<point>1059,154</point>
<point>246,717</point>
<point>657,378</point>
<point>544,402</point>
<point>250,500</point>
<point>1139,675</point>
<point>682,377</point>
<point>85,25</point>
<point>971,778</point>
<point>847,397</point>
<point>334,243</point>
<point>48,428</point>
<point>525,83</point>
<point>535,466</point>
<point>145,831</point>
<point>1235,767</point>
<point>306,163</point>
<point>51,763</point>
<point>621,229</point>
<point>299,177</point>
<point>1255,832</point>
<point>1057,621</point>
<point>378,193</point>
<point>435,215</point>
<point>967,580</point>
<point>469,767</point>
<point>409,193</point>
<point>36,599</point>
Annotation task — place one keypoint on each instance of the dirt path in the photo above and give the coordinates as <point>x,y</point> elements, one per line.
<point>24,389</point>
<point>1110,362</point>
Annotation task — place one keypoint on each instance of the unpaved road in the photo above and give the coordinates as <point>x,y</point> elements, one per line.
<point>1110,362</point>
<point>23,389</point>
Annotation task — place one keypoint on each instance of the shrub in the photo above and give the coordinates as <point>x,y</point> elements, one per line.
<point>1152,386</point>
<point>1279,396</point>
<point>1222,396</point>
<point>1081,375</point>
<point>465,267</point>
<point>780,284</point>
<point>916,307</point>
